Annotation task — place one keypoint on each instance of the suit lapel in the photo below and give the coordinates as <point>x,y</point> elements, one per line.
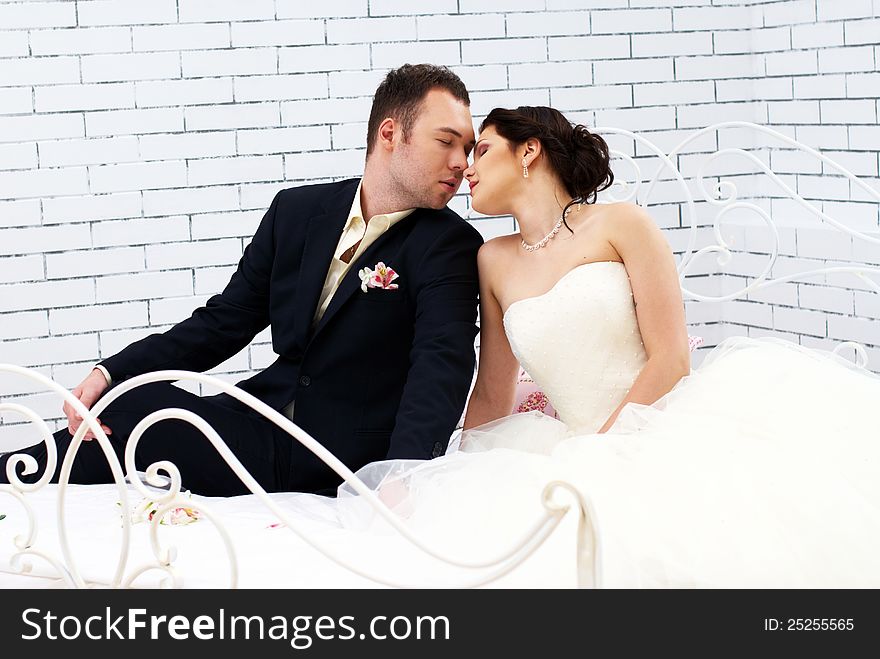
<point>322,237</point>
<point>351,282</point>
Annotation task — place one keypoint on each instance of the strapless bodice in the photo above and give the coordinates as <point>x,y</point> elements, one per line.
<point>580,342</point>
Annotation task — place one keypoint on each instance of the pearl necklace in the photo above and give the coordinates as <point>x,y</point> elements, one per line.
<point>550,236</point>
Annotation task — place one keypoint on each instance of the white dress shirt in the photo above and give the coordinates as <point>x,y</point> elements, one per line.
<point>355,230</point>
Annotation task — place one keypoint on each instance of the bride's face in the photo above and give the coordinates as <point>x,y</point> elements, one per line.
<point>496,175</point>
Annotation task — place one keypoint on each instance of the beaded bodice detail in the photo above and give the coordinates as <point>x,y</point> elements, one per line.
<point>580,342</point>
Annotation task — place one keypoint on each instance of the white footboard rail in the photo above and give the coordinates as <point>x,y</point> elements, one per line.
<point>487,568</point>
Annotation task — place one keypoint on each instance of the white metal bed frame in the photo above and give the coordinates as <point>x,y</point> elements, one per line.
<point>486,569</point>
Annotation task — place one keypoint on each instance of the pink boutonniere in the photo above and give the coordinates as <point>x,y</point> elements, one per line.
<point>379,277</point>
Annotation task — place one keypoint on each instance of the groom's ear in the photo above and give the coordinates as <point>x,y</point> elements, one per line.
<point>387,130</point>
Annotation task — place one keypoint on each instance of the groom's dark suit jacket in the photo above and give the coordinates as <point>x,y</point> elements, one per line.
<point>385,373</point>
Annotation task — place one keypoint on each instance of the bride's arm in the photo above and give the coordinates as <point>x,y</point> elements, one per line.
<point>659,307</point>
<point>495,387</point>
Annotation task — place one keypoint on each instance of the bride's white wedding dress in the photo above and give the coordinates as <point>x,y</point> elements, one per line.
<point>761,468</point>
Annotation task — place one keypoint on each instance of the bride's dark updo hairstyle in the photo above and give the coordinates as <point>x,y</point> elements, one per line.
<point>579,157</point>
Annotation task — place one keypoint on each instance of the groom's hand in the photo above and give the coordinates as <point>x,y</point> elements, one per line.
<point>88,391</point>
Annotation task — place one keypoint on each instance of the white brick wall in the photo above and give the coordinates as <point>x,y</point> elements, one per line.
<point>140,142</point>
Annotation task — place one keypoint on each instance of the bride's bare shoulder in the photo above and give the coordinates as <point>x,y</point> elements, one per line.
<point>621,220</point>
<point>496,251</point>
<point>624,211</point>
<point>491,261</point>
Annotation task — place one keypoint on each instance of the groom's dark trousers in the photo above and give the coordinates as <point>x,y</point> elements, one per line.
<point>383,375</point>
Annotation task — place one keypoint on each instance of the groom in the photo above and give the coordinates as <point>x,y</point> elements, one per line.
<point>370,289</point>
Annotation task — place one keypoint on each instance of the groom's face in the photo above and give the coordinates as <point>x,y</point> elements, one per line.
<point>428,166</point>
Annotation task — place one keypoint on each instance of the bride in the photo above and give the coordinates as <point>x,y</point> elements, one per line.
<point>761,468</point>
<point>610,266</point>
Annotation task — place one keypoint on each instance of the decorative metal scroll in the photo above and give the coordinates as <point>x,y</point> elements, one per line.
<point>487,569</point>
<point>724,196</point>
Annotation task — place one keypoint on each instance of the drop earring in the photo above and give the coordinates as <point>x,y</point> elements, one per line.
<point>525,168</point>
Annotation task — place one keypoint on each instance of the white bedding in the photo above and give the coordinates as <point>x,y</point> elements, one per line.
<point>268,556</point>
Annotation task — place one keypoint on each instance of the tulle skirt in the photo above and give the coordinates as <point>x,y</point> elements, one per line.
<point>760,469</point>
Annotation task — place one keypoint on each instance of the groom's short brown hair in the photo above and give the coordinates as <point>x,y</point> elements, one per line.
<point>400,95</point>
